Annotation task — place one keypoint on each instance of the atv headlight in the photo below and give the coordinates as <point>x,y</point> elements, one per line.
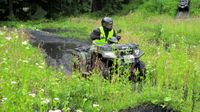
<point>109,55</point>
<point>136,52</point>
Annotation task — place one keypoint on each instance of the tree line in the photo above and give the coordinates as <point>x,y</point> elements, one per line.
<point>33,9</point>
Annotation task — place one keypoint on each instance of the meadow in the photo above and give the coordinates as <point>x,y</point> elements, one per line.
<point>172,58</point>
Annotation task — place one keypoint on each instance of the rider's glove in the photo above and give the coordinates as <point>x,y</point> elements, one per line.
<point>119,37</point>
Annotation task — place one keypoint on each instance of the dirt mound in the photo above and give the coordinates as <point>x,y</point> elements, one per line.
<point>56,49</point>
<point>148,108</point>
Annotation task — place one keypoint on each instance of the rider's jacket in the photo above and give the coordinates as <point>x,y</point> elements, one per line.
<point>103,39</point>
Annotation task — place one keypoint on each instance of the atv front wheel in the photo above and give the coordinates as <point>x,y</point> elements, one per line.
<point>105,69</point>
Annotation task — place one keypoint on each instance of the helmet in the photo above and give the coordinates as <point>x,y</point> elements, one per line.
<point>107,22</point>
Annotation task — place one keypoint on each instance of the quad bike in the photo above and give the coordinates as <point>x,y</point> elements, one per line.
<point>183,5</point>
<point>110,58</point>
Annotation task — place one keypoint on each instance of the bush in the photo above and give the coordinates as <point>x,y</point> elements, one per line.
<point>195,7</point>
<point>160,6</point>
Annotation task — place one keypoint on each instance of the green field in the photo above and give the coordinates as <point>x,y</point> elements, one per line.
<point>172,58</point>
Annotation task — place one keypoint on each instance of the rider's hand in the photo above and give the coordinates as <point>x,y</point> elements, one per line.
<point>119,37</point>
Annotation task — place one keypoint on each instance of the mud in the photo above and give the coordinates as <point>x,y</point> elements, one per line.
<point>56,49</point>
<point>148,108</point>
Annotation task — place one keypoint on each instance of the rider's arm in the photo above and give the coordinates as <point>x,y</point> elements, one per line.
<point>114,34</point>
<point>95,34</point>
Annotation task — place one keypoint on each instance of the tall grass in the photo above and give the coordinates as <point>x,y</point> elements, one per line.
<point>172,58</point>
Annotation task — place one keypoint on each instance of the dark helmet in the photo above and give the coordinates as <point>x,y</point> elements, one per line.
<point>107,22</point>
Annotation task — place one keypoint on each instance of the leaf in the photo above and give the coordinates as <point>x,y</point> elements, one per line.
<point>167,99</point>
<point>154,101</point>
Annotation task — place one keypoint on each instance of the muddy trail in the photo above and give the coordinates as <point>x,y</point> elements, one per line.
<point>148,107</point>
<point>56,49</point>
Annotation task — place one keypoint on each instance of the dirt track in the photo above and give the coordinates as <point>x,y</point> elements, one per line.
<point>56,49</point>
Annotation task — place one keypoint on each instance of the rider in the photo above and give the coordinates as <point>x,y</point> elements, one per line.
<point>100,35</point>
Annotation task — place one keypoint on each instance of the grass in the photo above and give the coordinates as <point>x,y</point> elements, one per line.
<point>27,84</point>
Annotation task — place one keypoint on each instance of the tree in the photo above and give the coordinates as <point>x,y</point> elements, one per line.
<point>10,8</point>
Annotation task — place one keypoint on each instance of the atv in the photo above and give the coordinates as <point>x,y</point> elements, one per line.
<point>184,5</point>
<point>110,58</point>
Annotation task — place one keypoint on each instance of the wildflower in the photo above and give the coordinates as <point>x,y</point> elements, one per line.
<point>25,9</point>
<point>55,111</point>
<point>32,94</point>
<point>158,53</point>
<point>25,43</point>
<point>36,64</point>
<point>25,61</point>
<point>56,99</point>
<point>17,36</point>
<point>167,99</point>
<point>68,109</point>
<point>13,82</point>
<point>45,101</point>
<point>42,90</point>
<point>79,110</point>
<point>4,99</point>
<point>1,33</point>
<point>40,66</point>
<point>152,70</point>
<point>194,46</point>
<point>8,38</point>
<point>95,105</point>
<point>174,45</point>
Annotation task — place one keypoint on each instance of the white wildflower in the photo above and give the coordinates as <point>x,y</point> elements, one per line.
<point>45,101</point>
<point>17,36</point>
<point>1,33</point>
<point>79,110</point>
<point>194,46</point>
<point>42,90</point>
<point>158,53</point>
<point>55,111</point>
<point>68,109</point>
<point>25,43</point>
<point>13,82</point>
<point>56,99</point>
<point>37,64</point>
<point>152,70</point>
<point>42,63</point>
<point>40,66</point>
<point>95,105</point>
<point>8,38</point>
<point>32,94</point>
<point>25,61</point>
<point>25,9</point>
<point>174,45</point>
<point>4,99</point>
